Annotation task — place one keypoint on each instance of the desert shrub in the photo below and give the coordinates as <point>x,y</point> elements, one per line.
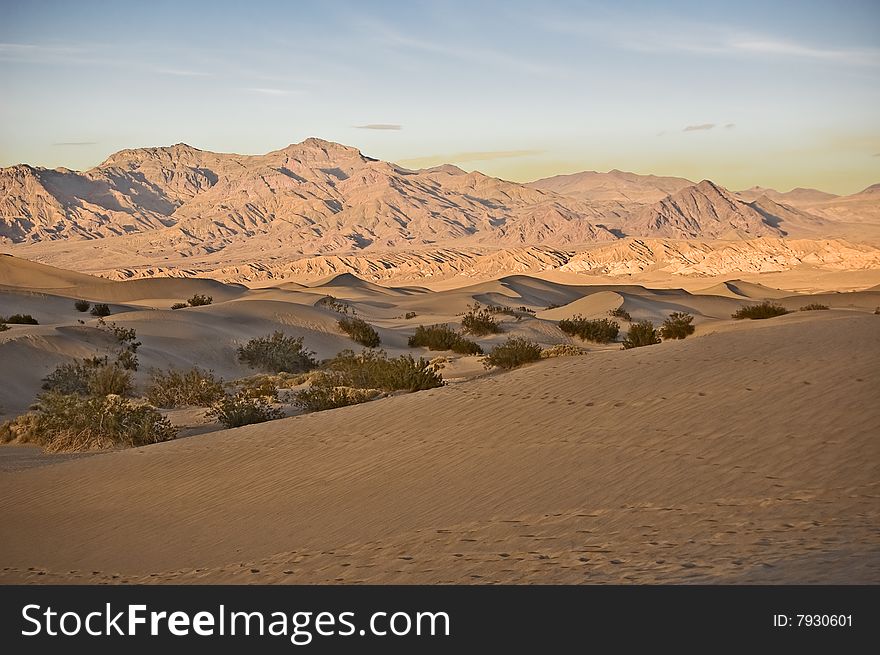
<point>371,369</point>
<point>3,326</point>
<point>82,305</point>
<point>620,312</point>
<point>199,300</point>
<point>554,305</point>
<point>324,395</point>
<point>514,352</point>
<point>237,410</point>
<point>179,305</point>
<point>562,350</point>
<point>766,309</point>
<point>525,310</point>
<point>814,306</point>
<point>360,331</point>
<point>126,356</point>
<point>479,321</point>
<point>641,334</point>
<point>101,310</point>
<point>174,388</point>
<point>21,319</point>
<point>336,305</point>
<point>677,326</point>
<point>259,386</point>
<point>442,337</point>
<point>500,309</point>
<point>93,376</point>
<point>409,315</point>
<point>277,352</point>
<point>600,330</point>
<point>70,422</point>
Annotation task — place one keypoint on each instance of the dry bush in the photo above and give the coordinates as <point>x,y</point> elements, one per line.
<point>620,312</point>
<point>179,305</point>
<point>100,310</point>
<point>360,331</point>
<point>324,394</point>
<point>82,305</point>
<point>600,330</point>
<point>258,386</point>
<point>20,319</point>
<point>238,410</point>
<point>766,309</point>
<point>372,369</point>
<point>93,376</point>
<point>277,352</point>
<point>814,306</point>
<point>442,337</point>
<point>641,334</point>
<point>199,300</point>
<point>479,321</point>
<point>175,388</point>
<point>677,326</point>
<point>562,350</point>
<point>514,352</point>
<point>409,315</point>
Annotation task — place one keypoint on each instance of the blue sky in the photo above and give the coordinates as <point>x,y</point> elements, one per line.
<point>771,93</point>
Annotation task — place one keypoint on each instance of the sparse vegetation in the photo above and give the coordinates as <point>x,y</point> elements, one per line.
<point>199,300</point>
<point>766,309</point>
<point>336,305</point>
<point>678,325</point>
<point>500,309</point>
<point>20,319</point>
<point>101,310</point>
<point>258,386</point>
<point>562,350</point>
<point>237,410</point>
<point>324,395</point>
<point>600,330</point>
<point>360,331</point>
<point>372,369</point>
<point>641,334</point>
<point>175,388</point>
<point>3,326</point>
<point>514,352</point>
<point>82,305</point>
<point>409,315</point>
<point>814,306</point>
<point>442,337</point>
<point>126,356</point>
<point>179,305</point>
<point>479,321</point>
<point>620,312</point>
<point>277,352</point>
<point>92,376</point>
<point>71,422</point>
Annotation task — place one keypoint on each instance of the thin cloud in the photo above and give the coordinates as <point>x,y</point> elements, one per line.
<point>75,143</point>
<point>178,72</point>
<point>729,126</point>
<point>379,126</point>
<point>700,127</point>
<point>461,157</point>
<point>268,91</point>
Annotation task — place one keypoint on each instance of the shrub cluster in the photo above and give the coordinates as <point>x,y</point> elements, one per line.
<point>360,331</point>
<point>92,376</point>
<point>371,369</point>
<point>20,319</point>
<point>82,305</point>
<point>199,300</point>
<point>766,309</point>
<point>175,388</point>
<point>179,305</point>
<point>234,411</point>
<point>324,395</point>
<point>258,386</point>
<point>3,326</point>
<point>409,315</point>
<point>479,321</point>
<point>620,312</point>
<point>126,356</point>
<point>442,337</point>
<point>678,325</point>
<point>336,305</point>
<point>514,352</point>
<point>814,306</point>
<point>100,310</point>
<point>600,330</point>
<point>71,422</point>
<point>277,352</point>
<point>562,350</point>
<point>641,334</point>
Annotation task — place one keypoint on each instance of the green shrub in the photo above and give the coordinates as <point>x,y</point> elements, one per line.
<point>70,422</point>
<point>174,388</point>
<point>766,309</point>
<point>126,356</point>
<point>360,331</point>
<point>514,352</point>
<point>101,310</point>
<point>237,410</point>
<point>324,395</point>
<point>641,334</point>
<point>677,326</point>
<point>620,312</point>
<point>442,337</point>
<point>179,305</point>
<point>371,369</point>
<point>479,321</point>
<point>94,376</point>
<point>814,307</point>
<point>600,330</point>
<point>199,300</point>
<point>82,305</point>
<point>409,315</point>
<point>21,319</point>
<point>276,353</point>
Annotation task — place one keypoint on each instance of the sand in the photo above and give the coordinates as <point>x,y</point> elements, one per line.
<point>746,453</point>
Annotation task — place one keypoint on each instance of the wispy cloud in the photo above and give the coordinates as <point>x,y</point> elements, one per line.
<point>700,127</point>
<point>75,143</point>
<point>379,126</point>
<point>269,91</point>
<point>729,126</point>
<point>462,157</point>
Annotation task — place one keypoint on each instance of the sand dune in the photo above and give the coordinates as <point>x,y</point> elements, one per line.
<point>743,455</point>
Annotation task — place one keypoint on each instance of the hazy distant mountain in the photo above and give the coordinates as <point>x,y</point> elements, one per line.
<point>613,187</point>
<point>796,197</point>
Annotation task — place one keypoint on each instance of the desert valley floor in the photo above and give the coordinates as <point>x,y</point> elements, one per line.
<point>747,452</point>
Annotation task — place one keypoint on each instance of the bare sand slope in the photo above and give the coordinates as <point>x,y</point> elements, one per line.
<point>744,455</point>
